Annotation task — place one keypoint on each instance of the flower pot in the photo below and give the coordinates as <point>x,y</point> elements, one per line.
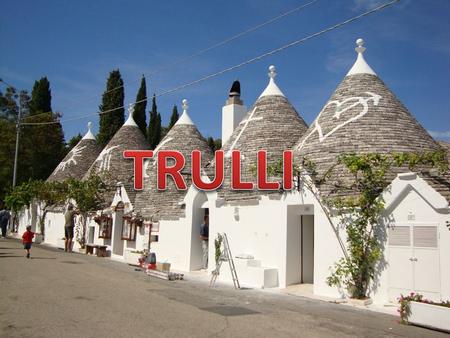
<point>429,315</point>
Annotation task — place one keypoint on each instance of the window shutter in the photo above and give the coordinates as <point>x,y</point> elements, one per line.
<point>425,237</point>
<point>399,236</point>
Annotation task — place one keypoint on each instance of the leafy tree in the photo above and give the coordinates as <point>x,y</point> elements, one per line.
<point>174,117</point>
<point>41,97</point>
<point>154,127</point>
<point>8,104</point>
<point>112,104</point>
<point>139,114</point>
<point>87,195</point>
<point>44,193</point>
<point>8,117</point>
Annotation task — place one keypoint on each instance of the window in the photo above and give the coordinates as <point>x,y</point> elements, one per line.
<point>129,228</point>
<point>105,226</point>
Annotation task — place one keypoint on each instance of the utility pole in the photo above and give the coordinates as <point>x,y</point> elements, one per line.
<point>17,142</point>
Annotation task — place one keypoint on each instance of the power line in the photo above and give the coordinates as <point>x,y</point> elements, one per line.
<point>257,58</point>
<point>235,37</point>
<point>214,46</point>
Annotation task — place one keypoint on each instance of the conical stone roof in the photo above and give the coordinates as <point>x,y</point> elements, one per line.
<point>78,160</point>
<point>272,124</point>
<point>361,116</point>
<point>110,163</point>
<point>167,205</point>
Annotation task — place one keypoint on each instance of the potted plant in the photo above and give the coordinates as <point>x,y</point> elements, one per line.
<point>417,310</point>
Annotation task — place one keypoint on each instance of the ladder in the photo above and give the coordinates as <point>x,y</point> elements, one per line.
<point>225,256</point>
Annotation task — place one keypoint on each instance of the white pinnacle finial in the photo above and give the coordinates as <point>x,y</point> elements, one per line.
<point>130,109</point>
<point>184,118</point>
<point>272,88</point>
<point>360,66</point>
<point>185,105</point>
<point>360,44</point>
<point>130,120</point>
<point>89,135</point>
<point>272,72</point>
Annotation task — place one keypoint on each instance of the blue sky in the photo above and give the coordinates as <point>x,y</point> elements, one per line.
<point>76,43</point>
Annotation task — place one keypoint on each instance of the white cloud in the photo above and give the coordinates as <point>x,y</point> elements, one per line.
<point>440,134</point>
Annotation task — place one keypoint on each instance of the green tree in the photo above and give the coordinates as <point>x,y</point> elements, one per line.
<point>43,139</point>
<point>174,117</point>
<point>112,104</point>
<point>8,116</point>
<point>154,127</point>
<point>88,197</point>
<point>41,97</point>
<point>7,148</point>
<point>140,107</point>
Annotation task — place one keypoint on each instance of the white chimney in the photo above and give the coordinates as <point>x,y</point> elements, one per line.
<point>233,111</point>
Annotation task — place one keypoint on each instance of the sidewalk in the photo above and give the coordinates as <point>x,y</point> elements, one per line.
<point>297,290</point>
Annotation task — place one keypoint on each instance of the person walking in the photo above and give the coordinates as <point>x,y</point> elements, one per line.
<point>27,239</point>
<point>4,219</point>
<point>69,225</point>
<point>204,236</point>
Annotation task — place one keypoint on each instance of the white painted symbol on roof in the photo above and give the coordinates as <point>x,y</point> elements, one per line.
<point>359,100</point>
<point>105,158</point>
<point>245,123</point>
<point>75,153</point>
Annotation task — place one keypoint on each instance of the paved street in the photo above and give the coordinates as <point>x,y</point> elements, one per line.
<point>56,294</point>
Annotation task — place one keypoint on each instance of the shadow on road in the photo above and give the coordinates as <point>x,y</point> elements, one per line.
<point>43,257</point>
<point>9,256</point>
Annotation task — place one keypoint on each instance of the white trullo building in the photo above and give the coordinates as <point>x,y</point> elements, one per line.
<point>175,215</point>
<point>364,116</point>
<point>107,226</point>
<point>256,221</point>
<point>74,165</point>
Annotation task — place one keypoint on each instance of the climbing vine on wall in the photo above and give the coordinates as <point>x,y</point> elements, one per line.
<point>359,208</point>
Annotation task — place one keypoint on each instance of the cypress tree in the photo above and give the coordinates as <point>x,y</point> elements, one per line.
<point>174,117</point>
<point>44,143</point>
<point>154,125</point>
<point>139,108</point>
<point>41,97</point>
<point>112,98</point>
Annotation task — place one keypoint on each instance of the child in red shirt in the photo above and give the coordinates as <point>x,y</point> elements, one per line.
<point>27,238</point>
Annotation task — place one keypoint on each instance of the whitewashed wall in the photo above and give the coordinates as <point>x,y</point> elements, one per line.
<point>256,230</point>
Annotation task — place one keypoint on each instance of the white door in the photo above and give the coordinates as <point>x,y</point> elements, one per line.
<point>413,260</point>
